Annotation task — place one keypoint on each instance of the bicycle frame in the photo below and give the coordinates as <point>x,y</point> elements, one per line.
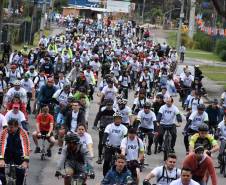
<point>167,143</point>
<point>43,150</point>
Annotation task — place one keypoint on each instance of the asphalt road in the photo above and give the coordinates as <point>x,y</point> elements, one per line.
<point>42,172</point>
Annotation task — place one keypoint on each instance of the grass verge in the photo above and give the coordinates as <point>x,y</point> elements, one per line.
<point>215,73</point>
<point>204,55</point>
<point>192,53</point>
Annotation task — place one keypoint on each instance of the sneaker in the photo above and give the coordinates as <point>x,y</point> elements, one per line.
<point>49,153</point>
<point>59,151</point>
<point>159,149</point>
<point>149,152</point>
<point>99,161</point>
<point>37,150</point>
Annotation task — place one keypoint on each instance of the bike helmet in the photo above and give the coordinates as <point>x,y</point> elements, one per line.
<point>72,138</point>
<point>117,115</point>
<point>66,86</point>
<point>201,107</point>
<point>204,127</point>
<point>119,96</point>
<point>26,75</point>
<point>147,105</point>
<point>32,67</point>
<point>17,82</point>
<point>122,101</point>
<point>1,73</point>
<point>109,102</point>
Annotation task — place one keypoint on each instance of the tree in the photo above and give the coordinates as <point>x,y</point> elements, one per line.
<point>221,10</point>
<point>59,4</point>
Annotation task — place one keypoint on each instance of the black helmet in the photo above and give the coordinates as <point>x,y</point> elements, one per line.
<point>147,105</point>
<point>160,96</point>
<point>72,138</point>
<point>204,127</point>
<point>109,102</point>
<point>201,107</point>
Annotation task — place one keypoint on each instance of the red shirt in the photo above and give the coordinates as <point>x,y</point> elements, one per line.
<point>44,121</point>
<point>200,169</point>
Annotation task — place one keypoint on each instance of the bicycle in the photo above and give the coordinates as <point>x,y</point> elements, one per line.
<point>167,138</point>
<point>223,163</point>
<point>43,149</point>
<point>10,174</point>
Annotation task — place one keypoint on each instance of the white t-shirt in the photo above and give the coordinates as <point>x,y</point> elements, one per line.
<point>109,93</point>
<point>168,176</point>
<point>178,182</point>
<point>124,81</point>
<point>74,121</point>
<point>187,80</point>
<point>115,134</point>
<point>126,113</point>
<point>85,140</point>
<point>146,119</point>
<point>223,97</point>
<point>19,116</point>
<point>3,85</point>
<point>21,92</point>
<point>193,103</point>
<point>198,119</point>
<point>61,96</point>
<point>168,114</point>
<point>222,127</point>
<point>3,122</point>
<point>132,147</point>
<point>27,85</point>
<point>95,65</point>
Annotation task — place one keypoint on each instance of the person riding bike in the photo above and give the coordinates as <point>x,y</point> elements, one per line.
<point>194,121</point>
<point>221,130</point>
<point>46,93</point>
<point>74,158</point>
<point>113,135</point>
<point>44,126</point>
<point>164,174</point>
<point>139,102</point>
<point>166,118</point>
<point>124,83</point>
<point>119,173</point>
<point>125,111</point>
<point>104,117</point>
<point>207,140</point>
<point>146,119</point>
<point>201,165</point>
<point>15,149</point>
<point>133,148</point>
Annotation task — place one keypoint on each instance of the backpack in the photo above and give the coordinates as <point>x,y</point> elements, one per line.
<point>168,179</point>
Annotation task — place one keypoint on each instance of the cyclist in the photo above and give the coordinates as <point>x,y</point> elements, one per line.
<point>139,101</point>
<point>113,135</point>
<point>3,88</point>
<point>222,133</point>
<point>185,179</point>
<point>164,174</point>
<point>16,89</point>
<point>125,111</point>
<point>133,148</point>
<point>124,83</point>
<point>166,117</point>
<point>44,126</point>
<point>18,115</point>
<point>118,174</point>
<point>85,138</point>
<point>74,117</point>
<point>200,164</point>
<point>46,93</point>
<point>214,114</point>
<point>158,102</point>
<point>146,119</point>
<point>195,119</point>
<point>15,149</point>
<point>28,85</point>
<point>105,117</point>
<point>207,140</point>
<point>73,157</point>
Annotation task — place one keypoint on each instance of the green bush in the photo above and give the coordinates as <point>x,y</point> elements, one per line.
<point>204,41</point>
<point>220,46</point>
<point>187,41</point>
<point>223,55</point>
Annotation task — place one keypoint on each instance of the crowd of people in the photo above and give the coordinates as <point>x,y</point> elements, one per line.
<point>57,81</point>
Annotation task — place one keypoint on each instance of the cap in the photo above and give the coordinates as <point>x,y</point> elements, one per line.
<point>199,148</point>
<point>16,105</point>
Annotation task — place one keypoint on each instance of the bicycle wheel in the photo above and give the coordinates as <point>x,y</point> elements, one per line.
<point>224,166</point>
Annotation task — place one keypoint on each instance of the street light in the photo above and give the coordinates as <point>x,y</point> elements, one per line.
<point>180,25</point>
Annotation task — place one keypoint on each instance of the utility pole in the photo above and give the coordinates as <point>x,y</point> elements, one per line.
<point>43,21</point>
<point>192,19</point>
<point>1,20</point>
<point>143,9</point>
<point>180,25</point>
